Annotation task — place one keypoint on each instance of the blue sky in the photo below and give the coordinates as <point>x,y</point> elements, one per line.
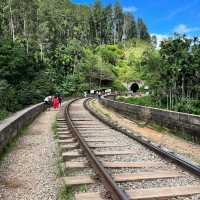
<point>163,17</point>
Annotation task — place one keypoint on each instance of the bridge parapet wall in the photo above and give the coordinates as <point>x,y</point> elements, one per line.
<point>184,124</point>
<point>11,126</point>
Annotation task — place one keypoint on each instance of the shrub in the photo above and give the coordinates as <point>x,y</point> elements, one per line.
<point>3,114</point>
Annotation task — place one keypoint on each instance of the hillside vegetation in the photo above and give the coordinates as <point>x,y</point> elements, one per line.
<point>172,74</point>
<point>55,46</point>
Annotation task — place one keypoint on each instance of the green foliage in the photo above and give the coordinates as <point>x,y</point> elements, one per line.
<point>144,101</point>
<point>109,53</point>
<point>118,86</point>
<point>66,192</point>
<point>16,64</point>
<point>3,114</point>
<point>22,77</point>
<point>142,30</point>
<point>53,46</point>
<point>188,106</point>
<point>184,105</point>
<point>172,73</point>
<point>73,85</point>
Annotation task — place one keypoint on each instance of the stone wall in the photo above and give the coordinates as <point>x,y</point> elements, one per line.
<point>185,124</point>
<point>11,126</point>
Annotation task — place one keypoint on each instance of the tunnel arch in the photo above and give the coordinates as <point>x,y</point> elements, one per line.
<point>134,87</point>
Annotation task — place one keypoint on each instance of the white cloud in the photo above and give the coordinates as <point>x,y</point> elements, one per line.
<point>160,37</point>
<point>130,9</point>
<point>182,28</point>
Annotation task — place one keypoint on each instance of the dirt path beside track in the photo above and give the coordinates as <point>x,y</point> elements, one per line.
<point>179,145</point>
<point>29,171</point>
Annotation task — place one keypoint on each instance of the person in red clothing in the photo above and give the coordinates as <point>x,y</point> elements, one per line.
<point>55,102</point>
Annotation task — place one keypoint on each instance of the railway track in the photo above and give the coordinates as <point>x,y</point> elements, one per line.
<point>114,166</point>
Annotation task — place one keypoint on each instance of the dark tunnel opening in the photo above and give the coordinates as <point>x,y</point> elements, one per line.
<point>134,87</point>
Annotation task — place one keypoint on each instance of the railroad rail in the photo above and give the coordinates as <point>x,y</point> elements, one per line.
<point>121,167</point>
<point>158,149</point>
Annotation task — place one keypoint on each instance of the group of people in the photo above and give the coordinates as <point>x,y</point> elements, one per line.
<point>54,101</point>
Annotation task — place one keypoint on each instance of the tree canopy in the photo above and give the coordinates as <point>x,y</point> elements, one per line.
<point>53,46</point>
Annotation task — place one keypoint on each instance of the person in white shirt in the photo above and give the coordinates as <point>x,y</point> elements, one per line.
<point>48,102</point>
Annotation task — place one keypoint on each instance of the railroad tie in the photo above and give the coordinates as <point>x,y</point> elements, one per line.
<point>67,141</point>
<point>123,177</point>
<point>65,136</point>
<point>147,194</point>
<point>115,164</point>
<point>73,154</point>
<point>62,129</point>
<point>99,139</point>
<point>63,132</point>
<point>69,147</point>
<point>93,132</point>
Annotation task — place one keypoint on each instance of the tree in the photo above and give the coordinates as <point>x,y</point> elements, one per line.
<point>96,22</point>
<point>154,40</point>
<point>43,42</point>
<point>142,30</point>
<point>129,27</point>
<point>107,26</point>
<point>118,22</point>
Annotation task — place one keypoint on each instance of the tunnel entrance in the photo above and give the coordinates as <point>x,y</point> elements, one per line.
<point>134,87</point>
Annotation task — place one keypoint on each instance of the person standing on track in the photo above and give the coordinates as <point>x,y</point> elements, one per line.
<point>60,99</point>
<point>56,102</point>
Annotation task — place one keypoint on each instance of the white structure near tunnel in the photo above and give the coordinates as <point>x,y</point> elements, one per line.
<point>134,86</point>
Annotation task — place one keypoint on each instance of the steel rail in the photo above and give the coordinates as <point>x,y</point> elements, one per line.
<point>113,191</point>
<point>181,162</point>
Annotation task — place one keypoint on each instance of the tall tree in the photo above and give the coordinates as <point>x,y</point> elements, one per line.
<point>118,22</point>
<point>97,21</point>
<point>142,30</point>
<point>107,25</point>
<point>129,27</point>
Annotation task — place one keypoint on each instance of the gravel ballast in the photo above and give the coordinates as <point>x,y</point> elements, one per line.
<point>29,171</point>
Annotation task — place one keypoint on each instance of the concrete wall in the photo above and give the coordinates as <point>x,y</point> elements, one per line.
<point>185,124</point>
<point>111,96</point>
<point>11,126</point>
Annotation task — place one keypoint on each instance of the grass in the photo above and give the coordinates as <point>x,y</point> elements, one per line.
<point>144,101</point>
<point>159,128</point>
<point>178,134</point>
<point>182,105</point>
<point>54,129</point>
<point>60,168</point>
<point>83,188</point>
<point>99,110</point>
<point>66,192</point>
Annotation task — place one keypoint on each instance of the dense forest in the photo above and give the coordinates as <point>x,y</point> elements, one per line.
<point>55,46</point>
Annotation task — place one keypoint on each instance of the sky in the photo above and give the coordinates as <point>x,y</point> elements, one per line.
<point>163,17</point>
